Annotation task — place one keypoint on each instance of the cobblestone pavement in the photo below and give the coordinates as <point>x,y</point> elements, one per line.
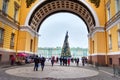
<point>104,73</point>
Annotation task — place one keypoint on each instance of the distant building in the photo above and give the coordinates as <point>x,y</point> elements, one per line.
<point>49,52</point>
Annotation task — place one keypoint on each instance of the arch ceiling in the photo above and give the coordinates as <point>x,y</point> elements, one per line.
<point>49,7</point>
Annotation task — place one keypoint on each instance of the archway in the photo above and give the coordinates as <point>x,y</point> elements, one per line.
<point>46,8</point>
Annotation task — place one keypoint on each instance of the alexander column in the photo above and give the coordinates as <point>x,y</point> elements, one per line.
<point>66,49</point>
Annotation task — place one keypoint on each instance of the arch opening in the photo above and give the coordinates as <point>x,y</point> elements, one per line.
<point>54,26</point>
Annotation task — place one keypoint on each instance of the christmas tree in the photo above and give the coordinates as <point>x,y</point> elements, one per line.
<point>66,49</point>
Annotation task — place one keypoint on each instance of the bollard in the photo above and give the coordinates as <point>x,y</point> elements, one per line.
<point>114,69</point>
<point>96,65</point>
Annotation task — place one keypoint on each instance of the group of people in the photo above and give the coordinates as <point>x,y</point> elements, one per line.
<point>39,61</point>
<point>66,61</point>
<point>84,60</point>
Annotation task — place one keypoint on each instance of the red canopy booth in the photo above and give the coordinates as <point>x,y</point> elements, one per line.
<point>21,58</point>
<point>22,54</point>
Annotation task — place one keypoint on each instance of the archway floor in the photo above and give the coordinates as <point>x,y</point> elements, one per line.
<point>57,72</point>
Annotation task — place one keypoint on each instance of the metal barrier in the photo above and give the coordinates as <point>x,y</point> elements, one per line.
<point>116,70</point>
<point>96,65</point>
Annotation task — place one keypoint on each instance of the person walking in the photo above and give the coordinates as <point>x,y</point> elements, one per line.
<point>42,63</point>
<point>68,61</point>
<point>57,59</point>
<point>77,61</point>
<point>83,61</point>
<point>61,61</point>
<point>36,63</point>
<point>12,60</point>
<point>52,60</point>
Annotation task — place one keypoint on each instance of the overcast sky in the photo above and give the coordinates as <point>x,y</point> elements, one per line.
<point>53,31</point>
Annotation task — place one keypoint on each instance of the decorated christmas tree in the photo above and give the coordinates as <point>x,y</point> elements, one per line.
<point>66,49</point>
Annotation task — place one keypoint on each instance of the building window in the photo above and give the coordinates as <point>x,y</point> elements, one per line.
<point>118,31</point>
<point>12,41</point>
<point>16,9</point>
<point>31,42</point>
<point>0,57</point>
<point>117,5</point>
<point>93,46</point>
<point>119,61</point>
<point>110,42</point>
<point>108,12</point>
<point>119,38</point>
<point>1,37</point>
<point>108,9</point>
<point>110,61</point>
<point>5,6</point>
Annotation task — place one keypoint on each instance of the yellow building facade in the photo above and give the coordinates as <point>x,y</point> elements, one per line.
<point>14,38</point>
<point>19,26</point>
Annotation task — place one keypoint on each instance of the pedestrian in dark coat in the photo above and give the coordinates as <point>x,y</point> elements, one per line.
<point>83,61</point>
<point>42,63</point>
<point>36,63</point>
<point>77,61</point>
<point>52,60</point>
<point>61,61</point>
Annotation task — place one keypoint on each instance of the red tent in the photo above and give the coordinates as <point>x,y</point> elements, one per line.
<point>22,54</point>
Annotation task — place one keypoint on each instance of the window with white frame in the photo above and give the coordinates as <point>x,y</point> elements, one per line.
<point>16,9</point>
<point>12,41</point>
<point>117,5</point>
<point>93,46</point>
<point>108,9</point>
<point>119,38</point>
<point>31,44</point>
<point>1,37</point>
<point>119,35</point>
<point>5,6</point>
<point>108,13</point>
<point>110,42</point>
